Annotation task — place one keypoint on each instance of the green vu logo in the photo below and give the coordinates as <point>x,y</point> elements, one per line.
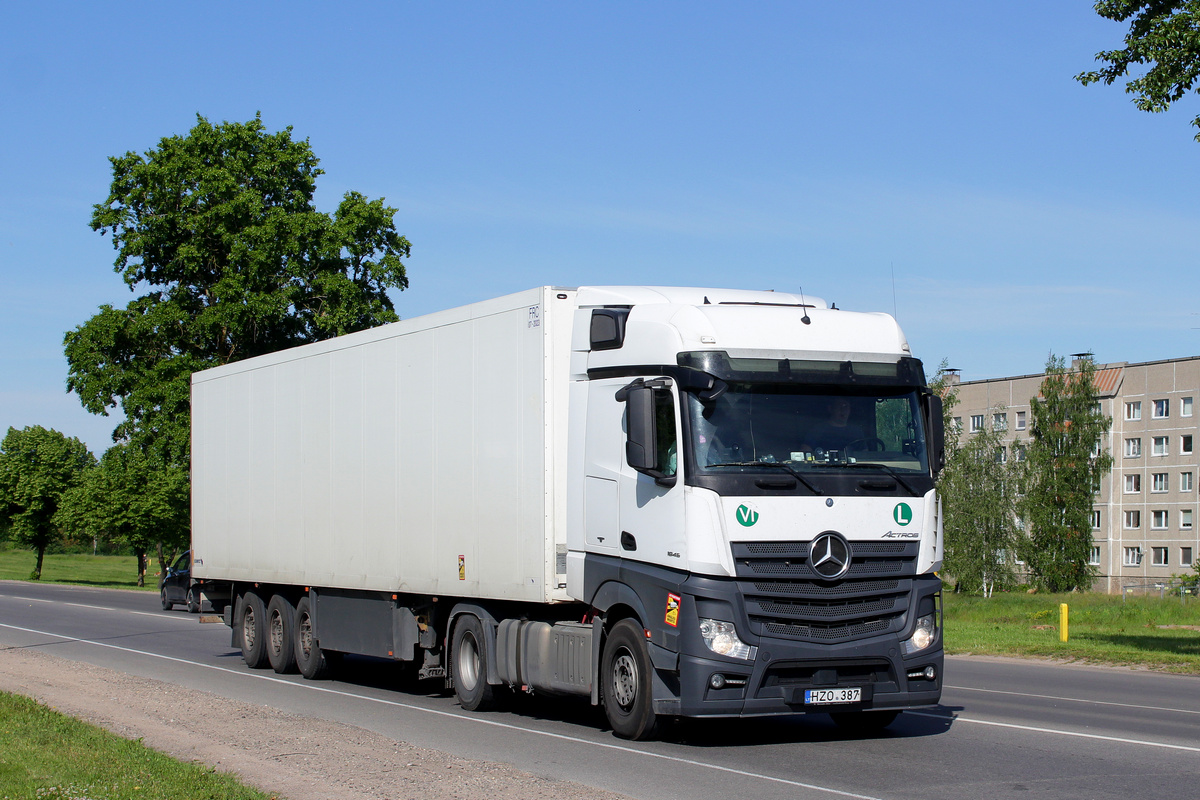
<point>902,514</point>
<point>746,516</point>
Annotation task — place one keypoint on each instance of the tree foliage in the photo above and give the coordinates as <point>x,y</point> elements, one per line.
<point>131,500</point>
<point>37,467</point>
<point>218,233</point>
<point>1065,465</point>
<point>1164,36</point>
<point>979,497</point>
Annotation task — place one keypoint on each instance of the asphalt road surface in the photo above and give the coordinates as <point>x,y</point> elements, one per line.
<point>1005,728</point>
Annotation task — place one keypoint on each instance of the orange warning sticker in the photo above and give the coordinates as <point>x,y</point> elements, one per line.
<point>672,610</point>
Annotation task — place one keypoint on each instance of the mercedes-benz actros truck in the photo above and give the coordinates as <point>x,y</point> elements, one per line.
<point>672,502</point>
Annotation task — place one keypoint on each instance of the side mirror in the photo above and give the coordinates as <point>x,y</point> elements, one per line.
<point>641,442</point>
<point>937,433</point>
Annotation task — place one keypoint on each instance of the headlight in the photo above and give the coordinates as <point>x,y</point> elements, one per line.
<point>722,639</point>
<point>922,637</point>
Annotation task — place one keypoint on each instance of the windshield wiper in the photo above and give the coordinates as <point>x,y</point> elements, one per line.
<point>891,472</point>
<point>775,464</point>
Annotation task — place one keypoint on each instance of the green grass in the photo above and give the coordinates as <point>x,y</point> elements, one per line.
<point>113,572</point>
<point>44,754</point>
<point>1101,629</point>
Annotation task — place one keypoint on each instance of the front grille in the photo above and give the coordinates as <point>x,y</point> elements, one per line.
<point>785,598</point>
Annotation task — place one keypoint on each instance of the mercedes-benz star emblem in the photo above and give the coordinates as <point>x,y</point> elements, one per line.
<point>829,555</point>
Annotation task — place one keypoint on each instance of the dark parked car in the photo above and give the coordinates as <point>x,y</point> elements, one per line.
<point>177,585</point>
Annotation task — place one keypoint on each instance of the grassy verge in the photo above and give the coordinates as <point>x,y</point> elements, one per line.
<point>113,572</point>
<point>44,754</point>
<point>1101,629</point>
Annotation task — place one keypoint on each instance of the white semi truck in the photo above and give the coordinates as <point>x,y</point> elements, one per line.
<point>675,502</point>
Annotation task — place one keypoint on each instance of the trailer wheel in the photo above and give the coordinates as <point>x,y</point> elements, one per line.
<point>309,657</point>
<point>193,600</point>
<point>167,605</point>
<point>864,721</point>
<point>252,623</point>
<point>281,619</point>
<point>468,665</point>
<point>625,682</point>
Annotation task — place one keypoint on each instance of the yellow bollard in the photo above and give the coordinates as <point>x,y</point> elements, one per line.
<point>1062,622</point>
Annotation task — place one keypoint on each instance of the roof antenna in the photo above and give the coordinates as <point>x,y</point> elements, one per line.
<point>706,301</point>
<point>804,305</point>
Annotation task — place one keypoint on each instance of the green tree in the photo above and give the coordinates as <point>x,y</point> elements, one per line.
<point>1066,461</point>
<point>218,232</point>
<point>37,467</point>
<point>1164,35</point>
<point>133,501</point>
<point>979,503</point>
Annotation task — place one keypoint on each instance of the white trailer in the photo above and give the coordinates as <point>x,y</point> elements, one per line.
<point>545,491</point>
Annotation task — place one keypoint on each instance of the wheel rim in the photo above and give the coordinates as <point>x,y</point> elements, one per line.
<point>624,679</point>
<point>249,629</point>
<point>306,635</point>
<point>276,632</point>
<point>468,661</point>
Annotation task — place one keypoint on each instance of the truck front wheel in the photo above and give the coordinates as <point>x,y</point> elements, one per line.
<point>468,664</point>
<point>251,623</point>
<point>625,682</point>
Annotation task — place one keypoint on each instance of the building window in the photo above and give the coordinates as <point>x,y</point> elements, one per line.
<point>1133,556</point>
<point>1133,519</point>
<point>1185,519</point>
<point>976,423</point>
<point>1019,451</point>
<point>1020,420</point>
<point>1185,444</point>
<point>1158,556</point>
<point>1162,409</point>
<point>1000,422</point>
<point>1185,407</point>
<point>1159,446</point>
<point>1158,520</point>
<point>1160,482</point>
<point>1001,455</point>
<point>1133,483</point>
<point>1185,481</point>
<point>1185,556</point>
<point>956,424</point>
<point>1094,556</point>
<point>1133,411</point>
<point>1133,448</point>
<point>1095,519</point>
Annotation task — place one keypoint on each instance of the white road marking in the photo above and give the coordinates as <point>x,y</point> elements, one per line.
<point>959,718</point>
<point>157,615</point>
<point>462,717</point>
<point>1074,699</point>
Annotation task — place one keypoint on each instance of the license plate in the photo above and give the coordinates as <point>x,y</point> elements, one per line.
<point>824,697</point>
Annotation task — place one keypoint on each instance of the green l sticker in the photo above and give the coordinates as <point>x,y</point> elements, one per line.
<point>902,514</point>
<point>746,516</point>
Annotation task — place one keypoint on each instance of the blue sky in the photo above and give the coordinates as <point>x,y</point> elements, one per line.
<point>814,145</point>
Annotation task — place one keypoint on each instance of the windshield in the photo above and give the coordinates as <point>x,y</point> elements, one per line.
<point>807,428</point>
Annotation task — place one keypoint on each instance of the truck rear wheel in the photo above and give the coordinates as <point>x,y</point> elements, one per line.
<point>281,618</point>
<point>251,627</point>
<point>625,682</point>
<point>309,657</point>
<point>468,664</point>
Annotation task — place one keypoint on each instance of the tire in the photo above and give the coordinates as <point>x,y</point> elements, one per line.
<point>864,721</point>
<point>252,620</point>
<point>193,600</point>
<point>625,682</point>
<point>280,638</point>
<point>469,665</point>
<point>167,605</point>
<point>310,658</point>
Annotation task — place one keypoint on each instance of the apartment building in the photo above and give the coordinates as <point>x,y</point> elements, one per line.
<point>1144,526</point>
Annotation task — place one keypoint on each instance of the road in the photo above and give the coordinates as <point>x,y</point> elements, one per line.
<point>1005,728</point>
